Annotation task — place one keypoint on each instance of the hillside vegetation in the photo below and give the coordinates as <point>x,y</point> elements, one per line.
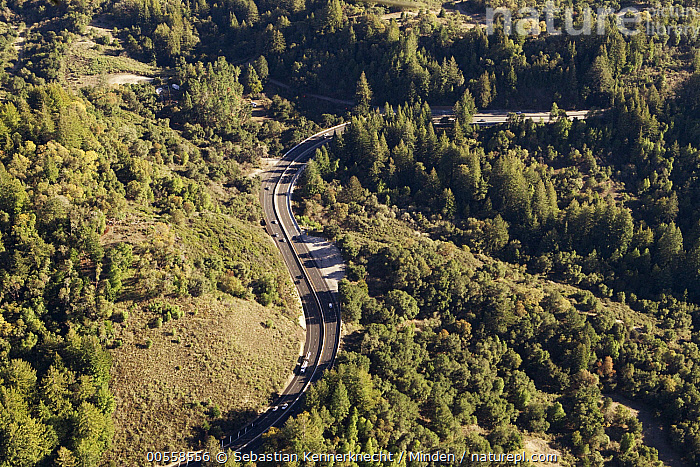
<point>502,288</point>
<point>210,371</point>
<point>502,281</point>
<point>115,230</point>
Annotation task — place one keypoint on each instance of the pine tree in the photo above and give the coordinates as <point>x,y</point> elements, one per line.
<point>65,458</point>
<point>618,53</point>
<point>251,81</point>
<point>274,40</point>
<point>363,96</point>
<point>393,34</point>
<point>448,204</point>
<point>669,245</point>
<point>311,180</point>
<point>483,91</point>
<point>572,79</point>
<point>540,203</point>
<point>600,78</point>
<point>305,432</point>
<point>252,14</point>
<point>351,430</point>
<point>232,20</point>
<point>340,403</point>
<point>554,112</point>
<point>465,108</point>
<point>353,192</point>
<point>331,16</point>
<point>510,190</point>
<point>262,68</point>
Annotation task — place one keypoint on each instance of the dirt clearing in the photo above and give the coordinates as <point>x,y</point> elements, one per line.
<point>127,78</point>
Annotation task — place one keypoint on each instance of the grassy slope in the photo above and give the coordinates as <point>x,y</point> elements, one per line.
<point>221,353</point>
<point>86,61</point>
<point>221,356</point>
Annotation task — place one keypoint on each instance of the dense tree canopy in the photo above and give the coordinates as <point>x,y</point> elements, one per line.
<point>502,281</point>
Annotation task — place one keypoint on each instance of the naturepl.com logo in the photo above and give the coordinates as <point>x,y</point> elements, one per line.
<point>585,21</point>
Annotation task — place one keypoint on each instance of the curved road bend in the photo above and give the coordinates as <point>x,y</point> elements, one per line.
<point>318,300</point>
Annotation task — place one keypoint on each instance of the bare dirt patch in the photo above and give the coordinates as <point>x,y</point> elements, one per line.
<point>97,58</point>
<point>127,78</point>
<point>328,258</point>
<point>132,230</point>
<point>266,163</point>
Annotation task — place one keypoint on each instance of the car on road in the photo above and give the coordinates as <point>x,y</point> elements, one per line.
<point>330,305</point>
<point>284,406</point>
<point>273,222</point>
<point>282,240</point>
<point>267,188</point>
<point>275,235</point>
<point>275,408</point>
<point>481,120</point>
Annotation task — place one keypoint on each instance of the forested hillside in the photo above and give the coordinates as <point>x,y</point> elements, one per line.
<point>105,209</point>
<point>324,46</point>
<point>505,284</point>
<point>471,331</point>
<point>606,206</point>
<point>128,223</point>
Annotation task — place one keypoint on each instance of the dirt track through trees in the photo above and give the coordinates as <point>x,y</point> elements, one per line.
<point>655,434</point>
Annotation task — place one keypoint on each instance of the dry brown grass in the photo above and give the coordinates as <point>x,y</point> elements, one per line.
<point>223,355</point>
<point>534,445</point>
<point>89,64</point>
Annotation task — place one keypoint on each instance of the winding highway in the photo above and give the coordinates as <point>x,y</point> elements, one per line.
<point>320,304</point>
<point>321,308</point>
<point>319,301</point>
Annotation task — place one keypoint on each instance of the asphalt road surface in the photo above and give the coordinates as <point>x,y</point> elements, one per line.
<point>501,116</point>
<point>320,304</point>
